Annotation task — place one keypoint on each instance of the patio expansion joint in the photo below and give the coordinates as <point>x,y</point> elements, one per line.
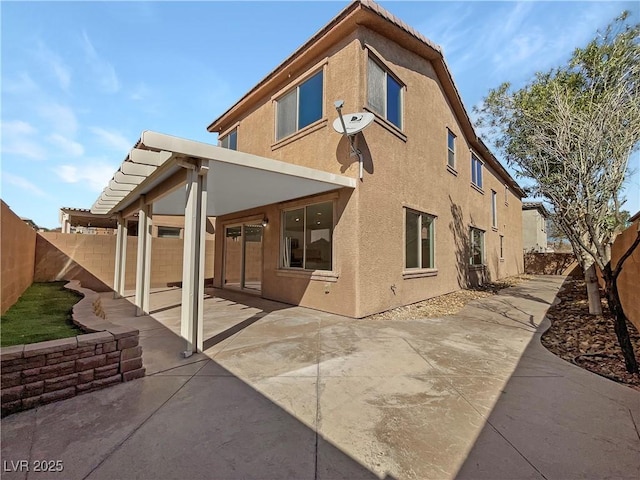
<point>435,367</point>
<point>318,361</point>
<point>495,429</point>
<point>33,439</point>
<point>486,419</point>
<point>635,425</point>
<point>133,432</point>
<point>204,361</point>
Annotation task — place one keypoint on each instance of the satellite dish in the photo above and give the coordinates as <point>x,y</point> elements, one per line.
<point>353,122</point>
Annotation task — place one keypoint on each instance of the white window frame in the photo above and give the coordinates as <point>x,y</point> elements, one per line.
<point>297,90</point>
<point>167,229</point>
<point>474,179</point>
<point>227,138</point>
<point>451,152</point>
<point>482,247</point>
<point>432,236</point>
<point>303,207</point>
<point>387,72</point>
<point>494,209</point>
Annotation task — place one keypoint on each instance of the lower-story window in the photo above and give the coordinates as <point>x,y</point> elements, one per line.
<point>476,256</point>
<point>169,232</point>
<point>419,241</point>
<point>307,237</point>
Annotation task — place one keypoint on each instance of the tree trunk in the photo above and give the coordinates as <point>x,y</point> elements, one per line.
<point>620,322</point>
<point>593,291</point>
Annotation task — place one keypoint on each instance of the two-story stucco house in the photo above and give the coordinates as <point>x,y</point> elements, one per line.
<point>433,212</point>
<point>534,227</point>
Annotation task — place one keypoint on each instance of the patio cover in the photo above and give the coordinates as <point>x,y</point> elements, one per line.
<point>175,176</point>
<point>237,181</point>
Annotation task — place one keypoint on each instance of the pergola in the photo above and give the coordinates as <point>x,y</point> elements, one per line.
<point>176,176</point>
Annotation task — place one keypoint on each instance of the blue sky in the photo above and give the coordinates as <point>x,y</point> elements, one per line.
<point>82,80</point>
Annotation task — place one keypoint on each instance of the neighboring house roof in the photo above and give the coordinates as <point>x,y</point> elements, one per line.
<point>369,14</point>
<point>82,217</point>
<point>30,222</point>
<point>635,217</point>
<point>536,206</point>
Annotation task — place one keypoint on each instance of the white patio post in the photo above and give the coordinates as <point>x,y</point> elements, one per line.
<point>66,226</point>
<point>143,270</point>
<point>121,258</point>
<point>195,216</point>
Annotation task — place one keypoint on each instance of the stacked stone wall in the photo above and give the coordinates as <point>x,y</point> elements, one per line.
<point>39,373</point>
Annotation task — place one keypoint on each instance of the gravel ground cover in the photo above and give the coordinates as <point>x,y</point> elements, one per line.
<point>451,303</point>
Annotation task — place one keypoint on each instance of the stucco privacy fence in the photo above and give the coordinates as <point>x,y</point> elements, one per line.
<point>44,372</point>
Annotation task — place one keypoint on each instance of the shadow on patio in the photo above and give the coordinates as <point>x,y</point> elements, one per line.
<point>286,392</point>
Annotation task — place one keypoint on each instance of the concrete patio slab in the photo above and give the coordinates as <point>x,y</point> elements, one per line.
<point>235,433</point>
<point>285,392</point>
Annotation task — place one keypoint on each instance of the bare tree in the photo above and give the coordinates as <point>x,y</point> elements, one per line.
<point>572,130</point>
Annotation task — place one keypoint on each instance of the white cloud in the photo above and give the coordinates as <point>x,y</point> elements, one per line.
<point>111,139</point>
<point>104,72</point>
<point>19,139</point>
<point>511,40</point>
<point>62,118</point>
<point>65,145</point>
<point>23,183</point>
<point>141,92</point>
<point>23,84</point>
<point>94,174</point>
<point>55,63</point>
<point>17,127</point>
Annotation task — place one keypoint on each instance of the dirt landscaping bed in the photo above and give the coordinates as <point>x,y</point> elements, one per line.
<point>588,341</point>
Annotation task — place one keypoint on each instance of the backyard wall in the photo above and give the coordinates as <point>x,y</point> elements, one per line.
<point>18,244</point>
<point>551,264</point>
<point>629,279</point>
<point>91,259</point>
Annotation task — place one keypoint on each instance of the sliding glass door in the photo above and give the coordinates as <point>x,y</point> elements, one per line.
<point>243,257</point>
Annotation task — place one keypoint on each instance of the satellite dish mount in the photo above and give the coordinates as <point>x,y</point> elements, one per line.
<point>354,123</point>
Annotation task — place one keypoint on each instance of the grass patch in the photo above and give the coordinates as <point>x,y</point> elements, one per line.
<point>43,312</point>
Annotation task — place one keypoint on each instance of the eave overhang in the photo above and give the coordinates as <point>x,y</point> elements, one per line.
<point>370,15</point>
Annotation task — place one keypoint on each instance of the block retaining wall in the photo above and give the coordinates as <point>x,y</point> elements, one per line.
<point>44,372</point>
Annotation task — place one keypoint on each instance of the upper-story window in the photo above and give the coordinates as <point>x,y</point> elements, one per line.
<point>230,140</point>
<point>451,149</point>
<point>384,93</point>
<point>300,107</point>
<point>494,209</point>
<point>476,171</point>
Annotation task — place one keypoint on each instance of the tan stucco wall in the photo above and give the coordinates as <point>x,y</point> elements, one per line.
<point>178,221</point>
<point>402,169</point>
<point>534,238</point>
<point>630,276</point>
<point>335,293</point>
<point>91,259</point>
<point>17,247</point>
